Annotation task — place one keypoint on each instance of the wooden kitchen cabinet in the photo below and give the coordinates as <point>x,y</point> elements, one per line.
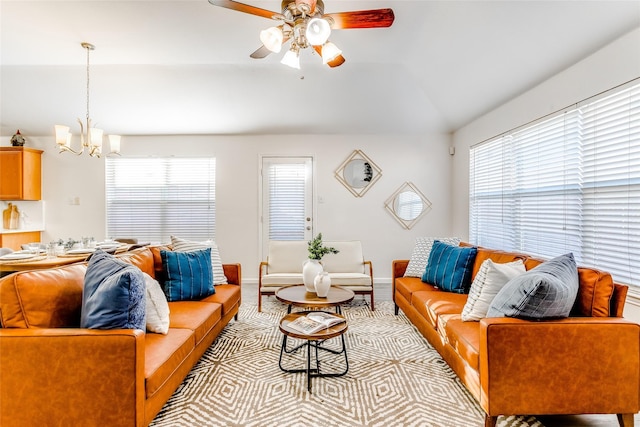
<point>16,240</point>
<point>20,173</point>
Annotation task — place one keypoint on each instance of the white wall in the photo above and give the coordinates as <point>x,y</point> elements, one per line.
<point>613,65</point>
<point>424,160</point>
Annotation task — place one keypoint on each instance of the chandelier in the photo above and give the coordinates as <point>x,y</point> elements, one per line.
<point>90,137</point>
<point>305,25</point>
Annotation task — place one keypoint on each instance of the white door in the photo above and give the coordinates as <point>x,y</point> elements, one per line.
<point>287,199</point>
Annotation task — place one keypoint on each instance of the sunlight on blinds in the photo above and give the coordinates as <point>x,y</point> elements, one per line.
<point>153,198</point>
<point>569,183</point>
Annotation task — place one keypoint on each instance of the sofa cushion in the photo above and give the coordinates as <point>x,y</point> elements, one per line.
<point>188,274</point>
<point>490,279</point>
<point>25,303</point>
<point>281,279</point>
<point>113,295</point>
<point>141,258</point>
<point>449,267</point>
<point>228,296</point>
<point>163,356</point>
<point>349,259</point>
<point>547,291</point>
<point>287,256</point>
<point>464,337</point>
<point>198,316</point>
<point>500,257</point>
<point>421,252</point>
<point>595,293</point>
<point>433,304</point>
<point>157,308</point>
<point>182,245</point>
<point>406,286</point>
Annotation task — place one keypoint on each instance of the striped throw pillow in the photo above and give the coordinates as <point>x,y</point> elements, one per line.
<point>449,267</point>
<point>182,245</point>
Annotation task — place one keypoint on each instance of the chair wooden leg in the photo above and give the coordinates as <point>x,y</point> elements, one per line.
<point>490,421</point>
<point>625,420</point>
<point>372,307</point>
<point>259,301</point>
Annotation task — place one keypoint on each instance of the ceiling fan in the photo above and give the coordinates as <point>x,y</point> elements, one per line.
<point>306,25</point>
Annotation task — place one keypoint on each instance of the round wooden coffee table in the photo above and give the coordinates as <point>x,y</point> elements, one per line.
<point>313,341</point>
<point>297,295</point>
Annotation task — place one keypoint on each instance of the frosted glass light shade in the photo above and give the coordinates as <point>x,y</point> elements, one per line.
<point>272,38</point>
<point>114,143</point>
<point>96,137</point>
<point>330,52</point>
<point>318,31</point>
<point>291,59</point>
<point>63,137</point>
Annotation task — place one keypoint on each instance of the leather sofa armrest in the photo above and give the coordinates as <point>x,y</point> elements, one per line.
<point>72,376</point>
<point>567,366</point>
<point>398,267</point>
<point>233,272</point>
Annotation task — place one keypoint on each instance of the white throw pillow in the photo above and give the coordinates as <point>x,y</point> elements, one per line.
<point>421,251</point>
<point>491,277</point>
<point>182,245</point>
<point>157,307</point>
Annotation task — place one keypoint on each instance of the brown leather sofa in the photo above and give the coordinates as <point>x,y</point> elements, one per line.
<point>588,363</point>
<point>52,372</point>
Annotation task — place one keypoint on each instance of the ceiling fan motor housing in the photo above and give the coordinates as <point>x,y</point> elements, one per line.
<point>303,7</point>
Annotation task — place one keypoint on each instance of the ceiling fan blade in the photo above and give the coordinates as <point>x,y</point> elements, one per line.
<point>241,7</point>
<point>375,18</point>
<point>336,62</point>
<point>261,52</point>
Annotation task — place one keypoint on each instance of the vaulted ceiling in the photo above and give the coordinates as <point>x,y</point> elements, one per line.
<point>183,66</point>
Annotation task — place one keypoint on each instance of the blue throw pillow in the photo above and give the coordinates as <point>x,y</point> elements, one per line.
<point>546,291</point>
<point>450,267</point>
<point>114,294</point>
<point>188,275</point>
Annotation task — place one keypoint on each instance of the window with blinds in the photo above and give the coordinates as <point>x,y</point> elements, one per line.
<point>569,183</point>
<point>153,198</point>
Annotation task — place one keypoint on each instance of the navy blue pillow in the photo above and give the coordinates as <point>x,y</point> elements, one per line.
<point>450,267</point>
<point>188,275</point>
<point>114,294</point>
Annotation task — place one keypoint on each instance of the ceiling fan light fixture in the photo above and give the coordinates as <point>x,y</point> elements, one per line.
<point>330,52</point>
<point>272,38</point>
<point>292,59</point>
<point>318,31</point>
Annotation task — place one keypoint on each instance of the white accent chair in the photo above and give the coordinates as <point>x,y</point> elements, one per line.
<point>283,267</point>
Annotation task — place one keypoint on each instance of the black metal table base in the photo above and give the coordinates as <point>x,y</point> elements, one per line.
<point>315,372</point>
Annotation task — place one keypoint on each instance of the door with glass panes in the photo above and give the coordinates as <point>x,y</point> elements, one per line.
<point>287,199</point>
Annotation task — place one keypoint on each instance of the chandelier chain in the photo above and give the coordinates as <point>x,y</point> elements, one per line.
<point>88,51</point>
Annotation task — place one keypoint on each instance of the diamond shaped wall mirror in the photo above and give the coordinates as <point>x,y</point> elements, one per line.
<point>407,205</point>
<point>358,173</point>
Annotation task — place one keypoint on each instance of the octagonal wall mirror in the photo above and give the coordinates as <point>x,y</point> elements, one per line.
<point>358,173</point>
<point>407,205</point>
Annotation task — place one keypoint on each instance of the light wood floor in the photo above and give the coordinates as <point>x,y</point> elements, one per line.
<point>382,292</point>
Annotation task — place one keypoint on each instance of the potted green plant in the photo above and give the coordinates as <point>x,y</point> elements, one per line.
<point>317,250</point>
<point>312,266</point>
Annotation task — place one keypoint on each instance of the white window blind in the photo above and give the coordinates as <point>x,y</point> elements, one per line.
<point>287,184</point>
<point>569,183</point>
<point>153,198</point>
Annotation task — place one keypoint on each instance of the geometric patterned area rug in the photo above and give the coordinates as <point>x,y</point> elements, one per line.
<point>395,378</point>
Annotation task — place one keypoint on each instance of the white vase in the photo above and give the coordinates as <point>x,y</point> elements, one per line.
<point>310,270</point>
<point>322,284</point>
